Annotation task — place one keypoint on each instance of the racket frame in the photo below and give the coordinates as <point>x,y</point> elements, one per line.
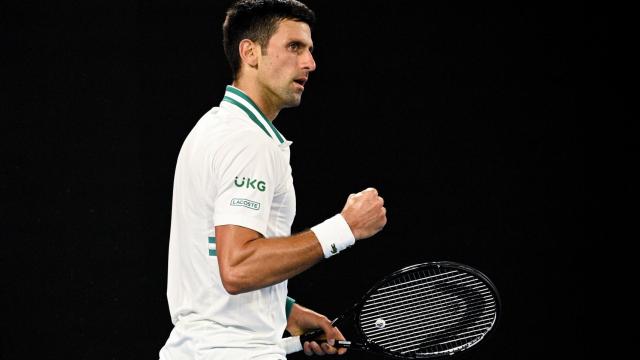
<point>369,346</point>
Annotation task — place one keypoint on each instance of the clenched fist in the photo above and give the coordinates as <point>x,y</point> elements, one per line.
<point>365,213</point>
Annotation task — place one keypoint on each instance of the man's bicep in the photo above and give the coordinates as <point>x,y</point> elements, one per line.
<point>232,252</point>
<point>230,240</point>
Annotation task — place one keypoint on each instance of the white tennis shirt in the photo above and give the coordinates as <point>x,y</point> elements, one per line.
<point>233,168</point>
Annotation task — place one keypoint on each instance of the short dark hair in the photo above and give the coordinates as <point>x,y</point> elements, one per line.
<point>257,20</point>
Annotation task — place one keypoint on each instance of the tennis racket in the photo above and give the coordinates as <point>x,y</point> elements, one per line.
<point>421,311</point>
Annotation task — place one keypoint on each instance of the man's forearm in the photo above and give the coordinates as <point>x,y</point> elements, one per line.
<point>248,261</point>
<point>260,262</point>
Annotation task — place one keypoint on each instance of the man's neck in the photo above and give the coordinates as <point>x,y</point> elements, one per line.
<point>267,107</point>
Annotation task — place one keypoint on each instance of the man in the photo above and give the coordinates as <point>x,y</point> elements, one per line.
<point>231,250</point>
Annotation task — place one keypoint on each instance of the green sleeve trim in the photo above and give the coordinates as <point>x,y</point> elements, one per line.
<point>288,306</point>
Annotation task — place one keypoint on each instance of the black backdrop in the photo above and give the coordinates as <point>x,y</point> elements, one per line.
<point>468,119</point>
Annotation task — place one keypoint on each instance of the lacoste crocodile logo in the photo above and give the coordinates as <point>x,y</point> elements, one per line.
<point>334,250</point>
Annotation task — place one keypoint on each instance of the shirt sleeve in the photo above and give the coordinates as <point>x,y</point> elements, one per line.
<point>247,176</point>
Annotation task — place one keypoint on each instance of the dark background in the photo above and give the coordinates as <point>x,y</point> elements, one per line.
<point>469,120</point>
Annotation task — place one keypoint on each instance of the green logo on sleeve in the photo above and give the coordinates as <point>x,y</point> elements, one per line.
<point>250,183</point>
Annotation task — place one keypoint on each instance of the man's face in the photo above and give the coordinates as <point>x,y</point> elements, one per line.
<point>284,69</point>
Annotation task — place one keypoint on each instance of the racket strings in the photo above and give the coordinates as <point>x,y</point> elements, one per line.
<point>395,295</point>
<point>411,296</point>
<point>406,303</point>
<point>415,311</point>
<point>429,312</point>
<point>436,337</point>
<point>419,318</point>
<point>438,333</point>
<point>405,284</point>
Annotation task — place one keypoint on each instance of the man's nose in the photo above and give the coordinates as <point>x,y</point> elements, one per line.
<point>308,63</point>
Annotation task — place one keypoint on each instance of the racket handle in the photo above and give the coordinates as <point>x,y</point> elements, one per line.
<point>342,344</point>
<point>312,335</point>
<point>293,344</point>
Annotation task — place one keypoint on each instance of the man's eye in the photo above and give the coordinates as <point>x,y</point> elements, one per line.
<point>294,46</point>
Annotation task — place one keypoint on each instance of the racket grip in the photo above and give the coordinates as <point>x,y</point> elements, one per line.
<point>294,343</point>
<point>311,335</point>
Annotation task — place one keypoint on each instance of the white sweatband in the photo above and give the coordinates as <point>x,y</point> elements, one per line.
<point>334,235</point>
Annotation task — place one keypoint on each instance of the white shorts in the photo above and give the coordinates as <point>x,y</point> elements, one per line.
<point>184,344</point>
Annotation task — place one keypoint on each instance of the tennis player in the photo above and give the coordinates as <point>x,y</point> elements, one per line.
<point>231,250</point>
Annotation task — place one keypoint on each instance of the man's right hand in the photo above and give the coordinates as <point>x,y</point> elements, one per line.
<point>365,213</point>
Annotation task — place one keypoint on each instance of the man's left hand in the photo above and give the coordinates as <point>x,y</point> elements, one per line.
<point>302,320</point>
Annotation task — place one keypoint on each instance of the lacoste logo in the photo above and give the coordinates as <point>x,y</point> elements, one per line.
<point>250,184</point>
<point>334,250</point>
<point>246,203</point>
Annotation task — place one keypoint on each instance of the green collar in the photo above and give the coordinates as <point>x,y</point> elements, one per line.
<point>236,97</point>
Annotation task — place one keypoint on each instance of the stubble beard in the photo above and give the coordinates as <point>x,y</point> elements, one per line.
<point>291,99</point>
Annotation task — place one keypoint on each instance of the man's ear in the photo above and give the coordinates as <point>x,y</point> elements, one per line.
<point>249,52</point>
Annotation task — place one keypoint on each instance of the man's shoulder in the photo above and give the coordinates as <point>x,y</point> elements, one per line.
<point>222,127</point>
<point>222,137</point>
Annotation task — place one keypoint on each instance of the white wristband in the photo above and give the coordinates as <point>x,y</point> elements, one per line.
<point>334,235</point>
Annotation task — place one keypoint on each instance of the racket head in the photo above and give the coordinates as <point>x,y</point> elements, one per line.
<point>428,310</point>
